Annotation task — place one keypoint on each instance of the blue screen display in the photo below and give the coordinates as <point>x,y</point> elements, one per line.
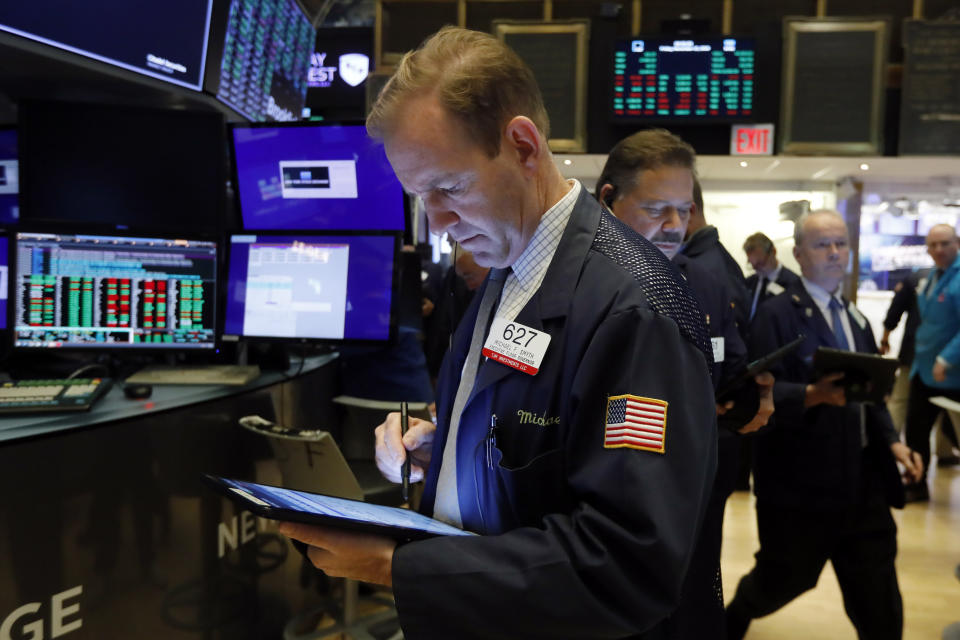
<point>9,177</point>
<point>168,43</point>
<point>310,287</point>
<point>4,269</point>
<point>315,177</point>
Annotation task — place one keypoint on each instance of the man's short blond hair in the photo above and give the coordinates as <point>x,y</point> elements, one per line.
<point>479,80</point>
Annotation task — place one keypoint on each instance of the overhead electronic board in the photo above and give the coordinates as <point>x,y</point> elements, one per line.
<point>685,79</point>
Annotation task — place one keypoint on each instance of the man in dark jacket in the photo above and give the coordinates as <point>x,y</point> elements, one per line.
<point>824,473</point>
<point>771,277</point>
<point>702,244</point>
<point>647,182</point>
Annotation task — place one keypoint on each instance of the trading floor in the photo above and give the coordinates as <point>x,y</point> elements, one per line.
<point>929,552</point>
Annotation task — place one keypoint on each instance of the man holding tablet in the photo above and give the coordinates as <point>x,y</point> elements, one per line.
<point>575,409</point>
<point>822,472</point>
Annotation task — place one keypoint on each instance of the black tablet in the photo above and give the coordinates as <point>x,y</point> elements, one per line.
<point>867,377</point>
<point>757,367</point>
<point>277,503</point>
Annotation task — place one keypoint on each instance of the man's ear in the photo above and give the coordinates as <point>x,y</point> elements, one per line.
<point>523,138</point>
<point>606,195</point>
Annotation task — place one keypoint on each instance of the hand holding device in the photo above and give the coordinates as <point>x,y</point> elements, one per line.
<point>393,448</point>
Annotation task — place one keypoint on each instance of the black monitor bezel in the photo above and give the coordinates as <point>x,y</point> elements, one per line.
<point>100,230</point>
<point>676,120</point>
<point>226,338</point>
<point>302,124</point>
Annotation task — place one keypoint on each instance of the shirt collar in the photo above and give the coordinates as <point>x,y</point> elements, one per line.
<point>820,295</point>
<point>529,265</point>
<point>776,273</point>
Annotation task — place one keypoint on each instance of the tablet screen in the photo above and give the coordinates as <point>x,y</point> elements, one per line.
<point>331,507</point>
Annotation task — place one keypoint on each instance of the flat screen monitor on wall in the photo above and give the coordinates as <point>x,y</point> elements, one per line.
<point>110,291</point>
<point>683,79</point>
<point>311,287</point>
<point>9,177</point>
<point>314,176</point>
<point>167,42</point>
<point>126,167</point>
<point>259,54</point>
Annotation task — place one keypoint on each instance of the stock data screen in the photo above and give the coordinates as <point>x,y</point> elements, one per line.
<point>663,78</point>
<point>266,53</point>
<point>110,291</point>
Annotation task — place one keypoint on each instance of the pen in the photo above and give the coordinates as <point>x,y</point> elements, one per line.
<point>405,469</point>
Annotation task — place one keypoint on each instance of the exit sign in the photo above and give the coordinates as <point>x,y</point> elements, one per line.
<point>751,140</point>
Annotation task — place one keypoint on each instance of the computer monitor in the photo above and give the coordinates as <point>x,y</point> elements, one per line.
<point>9,176</point>
<point>168,43</point>
<point>112,291</point>
<point>314,176</point>
<point>157,170</point>
<point>4,278</point>
<point>311,287</point>
<point>683,79</point>
<point>259,54</point>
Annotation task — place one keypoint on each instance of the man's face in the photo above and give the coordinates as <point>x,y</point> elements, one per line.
<point>824,252</point>
<point>486,204</point>
<point>763,262</point>
<point>942,246</point>
<point>658,206</point>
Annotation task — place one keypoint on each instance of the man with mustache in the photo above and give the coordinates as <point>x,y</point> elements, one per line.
<point>648,183</point>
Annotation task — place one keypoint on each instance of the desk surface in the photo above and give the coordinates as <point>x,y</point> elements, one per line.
<point>115,406</point>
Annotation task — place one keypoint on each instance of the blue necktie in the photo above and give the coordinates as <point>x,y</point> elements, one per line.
<point>838,333</point>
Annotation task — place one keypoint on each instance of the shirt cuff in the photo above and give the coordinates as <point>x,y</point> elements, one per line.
<point>943,361</point>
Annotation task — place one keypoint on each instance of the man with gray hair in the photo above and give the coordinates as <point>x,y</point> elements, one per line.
<point>575,416</point>
<point>823,469</point>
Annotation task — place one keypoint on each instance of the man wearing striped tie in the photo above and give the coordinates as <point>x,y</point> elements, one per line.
<point>824,474</point>
<point>587,507</point>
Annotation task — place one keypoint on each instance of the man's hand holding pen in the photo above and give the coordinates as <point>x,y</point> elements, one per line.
<point>394,447</point>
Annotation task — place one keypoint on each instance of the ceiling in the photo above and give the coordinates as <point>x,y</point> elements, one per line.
<point>821,171</point>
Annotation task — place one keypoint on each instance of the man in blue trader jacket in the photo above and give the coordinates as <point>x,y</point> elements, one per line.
<point>584,460</point>
<point>823,470</point>
<point>936,361</point>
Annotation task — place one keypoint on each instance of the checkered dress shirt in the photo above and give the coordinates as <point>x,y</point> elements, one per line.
<point>527,273</point>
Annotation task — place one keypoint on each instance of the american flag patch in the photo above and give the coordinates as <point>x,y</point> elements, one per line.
<point>635,422</point>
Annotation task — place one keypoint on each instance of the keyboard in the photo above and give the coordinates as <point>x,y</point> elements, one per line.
<point>61,394</point>
<point>230,374</point>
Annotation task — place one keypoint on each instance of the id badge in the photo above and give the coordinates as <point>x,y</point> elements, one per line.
<point>718,348</point>
<point>516,345</point>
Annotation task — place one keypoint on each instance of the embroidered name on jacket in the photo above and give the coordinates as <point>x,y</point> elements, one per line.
<point>636,423</point>
<point>529,417</point>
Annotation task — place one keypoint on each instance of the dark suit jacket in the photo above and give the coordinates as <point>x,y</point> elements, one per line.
<point>905,301</point>
<point>785,279</point>
<point>704,247</point>
<point>811,458</point>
